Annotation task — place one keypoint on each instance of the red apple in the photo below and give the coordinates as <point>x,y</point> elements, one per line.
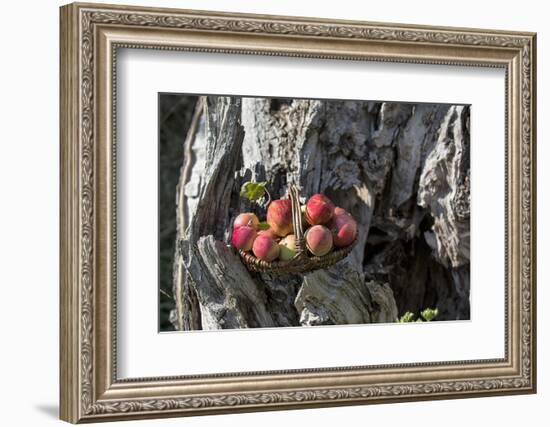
<point>279,217</point>
<point>268,232</point>
<point>319,209</point>
<point>343,228</point>
<point>319,240</point>
<point>243,238</point>
<point>287,247</point>
<point>248,219</point>
<point>265,248</point>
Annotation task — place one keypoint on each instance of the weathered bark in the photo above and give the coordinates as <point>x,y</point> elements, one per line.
<point>373,159</point>
<point>444,189</point>
<point>229,296</point>
<point>419,240</point>
<point>320,146</point>
<point>175,116</point>
<point>187,307</point>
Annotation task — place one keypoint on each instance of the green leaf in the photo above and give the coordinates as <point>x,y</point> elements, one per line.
<point>263,225</point>
<point>253,190</point>
<point>429,314</point>
<point>407,317</point>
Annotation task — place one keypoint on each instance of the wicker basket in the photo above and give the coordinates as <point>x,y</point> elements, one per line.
<point>302,261</point>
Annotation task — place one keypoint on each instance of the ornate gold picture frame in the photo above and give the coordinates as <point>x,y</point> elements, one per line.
<point>90,37</point>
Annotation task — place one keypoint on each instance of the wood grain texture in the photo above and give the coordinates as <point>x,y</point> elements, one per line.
<point>401,169</point>
<point>83,296</point>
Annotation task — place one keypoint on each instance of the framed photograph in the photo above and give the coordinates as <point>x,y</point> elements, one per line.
<point>267,212</point>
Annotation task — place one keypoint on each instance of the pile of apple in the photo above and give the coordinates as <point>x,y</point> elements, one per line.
<point>328,227</point>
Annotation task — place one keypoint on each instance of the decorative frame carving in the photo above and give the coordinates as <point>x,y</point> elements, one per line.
<point>90,35</point>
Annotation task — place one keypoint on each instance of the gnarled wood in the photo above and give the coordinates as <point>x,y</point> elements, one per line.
<point>374,159</point>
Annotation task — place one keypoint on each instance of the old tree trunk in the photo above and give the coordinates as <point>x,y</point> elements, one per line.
<point>402,170</point>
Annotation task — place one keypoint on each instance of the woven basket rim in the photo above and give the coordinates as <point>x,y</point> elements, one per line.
<point>300,263</point>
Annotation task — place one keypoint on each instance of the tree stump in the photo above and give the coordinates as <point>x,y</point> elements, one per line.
<point>402,171</point>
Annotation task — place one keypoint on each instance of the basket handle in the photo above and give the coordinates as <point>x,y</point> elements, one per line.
<point>297,218</point>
